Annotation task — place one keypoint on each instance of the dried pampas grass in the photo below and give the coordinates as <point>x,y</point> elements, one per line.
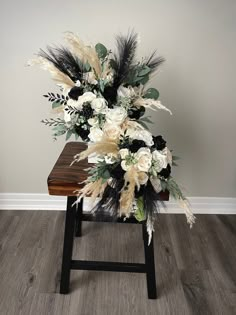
<point>85,53</point>
<point>59,77</point>
<point>150,103</point>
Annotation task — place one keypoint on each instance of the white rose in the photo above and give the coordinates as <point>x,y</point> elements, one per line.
<point>168,155</point>
<point>116,115</point>
<point>125,166</point>
<point>144,135</point>
<point>99,104</point>
<point>86,97</point>
<point>93,122</point>
<point>95,134</point>
<point>90,78</point>
<point>144,158</point>
<point>123,153</point>
<point>112,131</point>
<point>161,160</point>
<point>73,103</point>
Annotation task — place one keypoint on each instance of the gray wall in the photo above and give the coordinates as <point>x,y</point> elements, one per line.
<point>197,83</point>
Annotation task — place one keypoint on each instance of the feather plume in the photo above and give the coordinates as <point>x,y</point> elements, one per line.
<point>153,61</point>
<point>151,104</point>
<point>188,212</point>
<point>127,194</point>
<point>59,77</point>
<point>92,189</point>
<point>85,53</point>
<point>102,147</point>
<point>124,57</point>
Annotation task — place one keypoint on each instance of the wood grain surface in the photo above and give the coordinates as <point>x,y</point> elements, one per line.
<point>195,269</point>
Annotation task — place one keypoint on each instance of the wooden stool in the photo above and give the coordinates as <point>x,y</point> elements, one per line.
<point>64,180</point>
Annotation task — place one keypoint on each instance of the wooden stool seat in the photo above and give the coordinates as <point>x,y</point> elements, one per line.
<point>65,180</point>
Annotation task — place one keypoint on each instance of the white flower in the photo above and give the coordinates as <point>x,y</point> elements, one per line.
<point>125,92</point>
<point>123,153</point>
<point>95,134</point>
<point>112,131</point>
<point>160,159</point>
<point>125,166</point>
<point>110,158</point>
<point>73,103</point>
<point>93,122</point>
<point>144,159</point>
<point>90,78</point>
<point>99,104</point>
<point>67,116</point>
<point>78,83</point>
<point>86,97</point>
<point>168,155</point>
<point>144,135</point>
<point>116,115</point>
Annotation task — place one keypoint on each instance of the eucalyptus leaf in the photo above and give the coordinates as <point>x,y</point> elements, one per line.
<point>68,134</point>
<point>101,50</point>
<point>145,70</point>
<point>56,104</point>
<point>144,79</point>
<point>151,93</point>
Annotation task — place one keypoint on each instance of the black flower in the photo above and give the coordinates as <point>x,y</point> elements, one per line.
<point>87,111</point>
<point>75,92</point>
<point>82,132</point>
<point>159,143</point>
<point>136,145</point>
<point>165,172</point>
<point>136,113</point>
<point>117,172</point>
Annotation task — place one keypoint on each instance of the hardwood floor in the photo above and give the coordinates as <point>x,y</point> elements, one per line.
<point>195,269</point>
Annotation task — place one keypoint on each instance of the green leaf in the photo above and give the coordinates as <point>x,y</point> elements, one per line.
<point>151,93</point>
<point>68,134</point>
<point>56,104</point>
<point>106,175</point>
<point>144,79</point>
<point>139,213</point>
<point>145,70</point>
<point>101,50</point>
<point>146,119</point>
<point>87,67</point>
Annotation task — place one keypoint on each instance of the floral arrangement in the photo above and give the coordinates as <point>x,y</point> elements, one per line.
<point>103,100</point>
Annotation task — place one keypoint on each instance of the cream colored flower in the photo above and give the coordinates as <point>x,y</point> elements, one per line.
<point>95,134</point>
<point>99,105</point>
<point>116,115</point>
<point>144,159</point>
<point>123,153</point>
<point>160,159</point>
<point>93,122</point>
<point>168,155</point>
<point>125,166</point>
<point>112,131</point>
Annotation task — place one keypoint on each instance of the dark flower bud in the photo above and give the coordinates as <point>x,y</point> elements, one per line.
<point>159,143</point>
<point>136,145</point>
<point>136,113</point>
<point>165,172</point>
<point>82,132</point>
<point>75,92</point>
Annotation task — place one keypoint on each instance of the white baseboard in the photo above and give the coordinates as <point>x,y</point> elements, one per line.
<point>205,205</point>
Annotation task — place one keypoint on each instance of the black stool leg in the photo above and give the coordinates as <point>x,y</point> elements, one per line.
<point>68,245</point>
<point>79,212</point>
<point>150,264</point>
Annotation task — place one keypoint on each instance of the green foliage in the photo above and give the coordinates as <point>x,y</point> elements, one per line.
<point>151,93</point>
<point>138,75</point>
<point>69,134</point>
<point>100,170</point>
<point>174,189</point>
<point>101,50</point>
<point>140,213</point>
<point>56,104</point>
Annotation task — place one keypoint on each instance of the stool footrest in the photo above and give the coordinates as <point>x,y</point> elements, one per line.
<point>108,266</point>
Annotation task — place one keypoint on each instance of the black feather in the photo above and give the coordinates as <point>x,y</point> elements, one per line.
<point>153,61</point>
<point>64,61</point>
<point>151,201</point>
<point>124,57</point>
<point>109,203</point>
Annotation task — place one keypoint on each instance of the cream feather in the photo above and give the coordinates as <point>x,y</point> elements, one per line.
<point>59,77</point>
<point>85,53</point>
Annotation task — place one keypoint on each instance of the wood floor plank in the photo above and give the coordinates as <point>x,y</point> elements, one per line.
<point>195,269</point>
